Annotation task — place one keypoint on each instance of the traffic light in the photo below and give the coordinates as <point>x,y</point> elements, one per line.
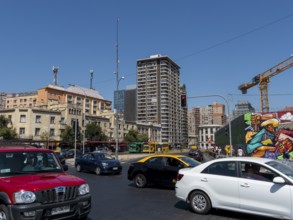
<point>226,131</point>
<point>183,100</point>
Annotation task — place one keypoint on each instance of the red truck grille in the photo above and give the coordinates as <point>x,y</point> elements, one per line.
<point>58,194</point>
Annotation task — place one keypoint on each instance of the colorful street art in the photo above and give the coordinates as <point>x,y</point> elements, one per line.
<point>265,137</point>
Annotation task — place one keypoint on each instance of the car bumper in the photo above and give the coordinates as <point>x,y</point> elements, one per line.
<point>79,208</point>
<point>109,170</point>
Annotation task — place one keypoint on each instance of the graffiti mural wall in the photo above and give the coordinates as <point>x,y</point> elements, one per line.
<point>269,135</point>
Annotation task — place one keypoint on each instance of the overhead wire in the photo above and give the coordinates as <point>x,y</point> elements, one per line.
<point>225,41</point>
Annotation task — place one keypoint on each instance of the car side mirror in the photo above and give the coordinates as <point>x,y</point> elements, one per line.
<point>279,180</point>
<point>65,167</point>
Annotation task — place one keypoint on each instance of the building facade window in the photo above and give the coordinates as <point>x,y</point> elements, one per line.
<point>69,99</point>
<point>52,120</point>
<point>22,119</point>
<point>37,132</point>
<point>38,119</point>
<point>21,131</point>
<point>52,132</point>
<point>62,121</point>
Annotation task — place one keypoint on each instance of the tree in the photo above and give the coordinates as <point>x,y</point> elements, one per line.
<point>135,136</point>
<point>142,137</point>
<point>94,132</point>
<point>68,135</point>
<point>7,133</point>
<point>3,121</point>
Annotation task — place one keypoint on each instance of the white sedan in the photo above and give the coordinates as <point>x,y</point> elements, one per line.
<point>257,186</point>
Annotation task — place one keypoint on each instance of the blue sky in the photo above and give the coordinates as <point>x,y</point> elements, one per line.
<point>218,44</point>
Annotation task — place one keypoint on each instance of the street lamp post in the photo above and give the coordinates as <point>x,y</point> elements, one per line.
<point>84,106</point>
<point>229,120</point>
<point>116,115</point>
<point>75,132</point>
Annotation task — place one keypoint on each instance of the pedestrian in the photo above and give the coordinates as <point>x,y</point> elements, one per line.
<point>240,152</point>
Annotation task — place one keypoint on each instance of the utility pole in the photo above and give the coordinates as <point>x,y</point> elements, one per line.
<point>117,97</point>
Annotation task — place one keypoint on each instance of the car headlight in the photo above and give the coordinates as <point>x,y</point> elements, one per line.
<point>24,197</point>
<point>83,189</point>
<point>104,164</point>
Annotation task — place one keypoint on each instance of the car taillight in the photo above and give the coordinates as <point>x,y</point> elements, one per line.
<point>179,176</point>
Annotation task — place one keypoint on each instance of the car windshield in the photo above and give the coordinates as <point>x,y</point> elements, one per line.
<point>28,162</point>
<point>103,156</point>
<point>190,161</point>
<point>285,167</point>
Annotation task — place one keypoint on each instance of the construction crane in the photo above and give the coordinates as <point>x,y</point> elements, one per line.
<point>262,81</point>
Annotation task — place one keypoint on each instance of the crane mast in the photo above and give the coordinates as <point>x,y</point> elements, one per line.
<point>262,81</point>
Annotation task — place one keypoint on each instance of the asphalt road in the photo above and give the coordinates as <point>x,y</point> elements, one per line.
<point>114,197</point>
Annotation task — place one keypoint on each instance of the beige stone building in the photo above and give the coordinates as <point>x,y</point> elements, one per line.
<point>44,114</point>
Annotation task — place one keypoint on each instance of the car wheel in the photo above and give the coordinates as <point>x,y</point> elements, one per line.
<point>78,168</point>
<point>98,171</point>
<point>200,202</point>
<point>140,180</point>
<point>4,214</point>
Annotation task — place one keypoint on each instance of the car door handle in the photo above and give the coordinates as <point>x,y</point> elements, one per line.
<point>245,185</point>
<point>204,179</point>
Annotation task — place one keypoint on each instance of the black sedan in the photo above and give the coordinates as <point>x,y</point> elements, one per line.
<point>196,154</point>
<point>98,162</point>
<point>158,169</point>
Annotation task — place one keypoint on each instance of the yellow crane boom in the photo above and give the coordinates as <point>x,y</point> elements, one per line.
<point>262,81</point>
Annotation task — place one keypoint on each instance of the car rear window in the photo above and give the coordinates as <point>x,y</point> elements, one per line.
<point>190,161</point>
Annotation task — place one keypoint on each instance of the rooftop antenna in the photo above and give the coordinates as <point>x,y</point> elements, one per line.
<point>55,72</point>
<point>92,76</point>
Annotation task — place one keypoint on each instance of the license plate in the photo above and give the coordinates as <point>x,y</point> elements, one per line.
<point>115,168</point>
<point>60,210</point>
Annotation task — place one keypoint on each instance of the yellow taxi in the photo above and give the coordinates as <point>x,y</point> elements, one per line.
<point>158,169</point>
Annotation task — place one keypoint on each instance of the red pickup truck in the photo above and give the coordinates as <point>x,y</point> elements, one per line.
<point>34,186</point>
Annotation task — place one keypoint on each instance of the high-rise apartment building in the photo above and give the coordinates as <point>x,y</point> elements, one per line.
<point>204,122</point>
<point>213,114</point>
<point>119,100</point>
<point>130,106</point>
<point>193,124</point>
<point>158,96</point>
<point>241,108</point>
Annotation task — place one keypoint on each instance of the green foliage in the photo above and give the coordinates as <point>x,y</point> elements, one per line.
<point>68,135</point>
<point>94,132</point>
<point>143,137</point>
<point>135,136</point>
<point>7,133</point>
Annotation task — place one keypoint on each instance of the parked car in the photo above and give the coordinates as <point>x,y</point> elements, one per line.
<point>196,154</point>
<point>158,169</point>
<point>98,162</point>
<point>34,186</point>
<point>228,183</point>
<point>61,158</point>
<point>70,153</point>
